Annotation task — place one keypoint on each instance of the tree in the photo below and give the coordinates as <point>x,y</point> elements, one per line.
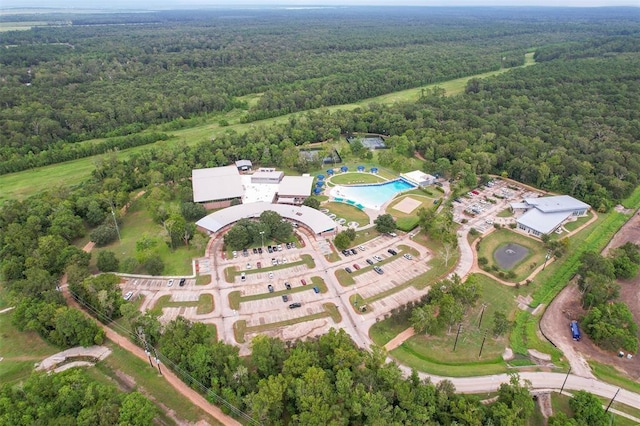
<point>500,323</point>
<point>385,223</point>
<point>103,235</point>
<point>342,241</point>
<point>154,265</point>
<point>192,211</point>
<point>424,319</point>
<point>514,401</point>
<point>267,355</point>
<point>312,202</point>
<point>107,261</point>
<point>136,410</point>
<point>237,237</point>
<point>612,327</point>
<point>588,409</point>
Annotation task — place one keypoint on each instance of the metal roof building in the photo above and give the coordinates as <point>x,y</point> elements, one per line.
<point>545,214</point>
<point>312,218</point>
<point>216,183</point>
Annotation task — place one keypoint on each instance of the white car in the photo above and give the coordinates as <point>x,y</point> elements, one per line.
<point>128,296</point>
<point>270,275</point>
<point>361,248</point>
<point>408,256</point>
<point>243,277</point>
<point>248,266</point>
<point>170,283</point>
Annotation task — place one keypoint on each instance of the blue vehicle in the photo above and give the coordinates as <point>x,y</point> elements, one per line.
<point>575,330</point>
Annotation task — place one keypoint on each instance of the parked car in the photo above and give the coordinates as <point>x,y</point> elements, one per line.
<point>356,266</point>
<point>248,266</point>
<point>378,258</point>
<point>378,270</point>
<point>354,251</point>
<point>274,261</point>
<point>170,283</point>
<point>279,247</point>
<point>474,192</point>
<point>245,253</point>
<point>182,282</point>
<point>295,305</point>
<point>128,296</point>
<point>392,252</point>
<point>303,281</point>
<point>287,285</point>
<point>259,250</point>
<point>270,275</point>
<point>243,277</point>
<point>285,298</point>
<point>346,252</point>
<point>255,250</point>
<point>393,234</point>
<point>457,200</point>
<point>407,256</point>
<point>235,254</point>
<point>348,269</point>
<point>370,262</point>
<point>269,249</point>
<point>270,288</point>
<point>316,290</point>
<point>259,265</point>
<point>361,248</point>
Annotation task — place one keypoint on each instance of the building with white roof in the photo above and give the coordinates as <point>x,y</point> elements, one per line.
<point>217,186</point>
<point>294,189</point>
<point>545,215</point>
<point>313,219</point>
<point>419,178</point>
<point>244,165</point>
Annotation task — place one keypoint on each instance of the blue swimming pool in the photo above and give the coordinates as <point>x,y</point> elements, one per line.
<point>371,196</point>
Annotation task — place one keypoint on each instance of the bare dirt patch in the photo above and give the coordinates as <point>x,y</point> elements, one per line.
<point>407,205</point>
<point>566,307</point>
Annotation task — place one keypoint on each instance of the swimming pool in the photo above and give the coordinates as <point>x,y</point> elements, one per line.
<point>371,196</point>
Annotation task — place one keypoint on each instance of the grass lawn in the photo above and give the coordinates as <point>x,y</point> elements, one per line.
<point>407,221</point>
<point>383,331</point>
<point>348,212</point>
<point>20,350</point>
<point>535,257</point>
<point>204,303</point>
<point>151,383</point>
<point>203,279</point>
<point>609,374</point>
<point>137,223</point>
<point>505,213</point>
<point>240,328</point>
<point>570,226</point>
<point>351,178</point>
<point>364,236</point>
<point>428,350</point>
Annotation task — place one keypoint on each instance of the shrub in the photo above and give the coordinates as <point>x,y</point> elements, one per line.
<point>103,235</point>
<point>512,225</point>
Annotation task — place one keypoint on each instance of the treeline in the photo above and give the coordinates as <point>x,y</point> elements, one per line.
<point>78,82</point>
<point>609,323</point>
<point>62,152</point>
<point>72,397</point>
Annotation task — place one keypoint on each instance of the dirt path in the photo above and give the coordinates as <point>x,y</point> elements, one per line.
<point>169,376</point>
<point>399,339</point>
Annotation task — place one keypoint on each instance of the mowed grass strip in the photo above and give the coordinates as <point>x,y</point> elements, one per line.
<point>26,183</point>
<point>240,327</point>
<point>204,303</point>
<point>348,212</point>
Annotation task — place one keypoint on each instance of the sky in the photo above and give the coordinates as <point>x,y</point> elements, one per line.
<point>176,4</point>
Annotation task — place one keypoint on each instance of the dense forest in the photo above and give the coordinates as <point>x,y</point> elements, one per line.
<point>64,84</point>
<point>571,124</point>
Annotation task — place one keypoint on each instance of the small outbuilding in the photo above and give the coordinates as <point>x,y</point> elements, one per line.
<point>244,165</point>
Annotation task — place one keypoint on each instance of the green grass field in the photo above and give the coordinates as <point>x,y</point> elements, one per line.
<point>348,212</point>
<point>425,352</point>
<point>489,244</point>
<point>351,178</point>
<point>408,221</point>
<point>138,222</point>
<point>204,304</point>
<point>23,184</point>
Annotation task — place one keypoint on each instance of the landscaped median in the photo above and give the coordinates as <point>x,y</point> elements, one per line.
<point>236,297</point>
<point>240,328</point>
<point>204,303</point>
<point>230,273</point>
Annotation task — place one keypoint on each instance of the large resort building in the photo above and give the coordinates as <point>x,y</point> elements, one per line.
<point>249,194</point>
<point>544,215</point>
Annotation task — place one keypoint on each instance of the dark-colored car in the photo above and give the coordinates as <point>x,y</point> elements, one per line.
<point>285,298</point>
<point>259,250</point>
<point>356,266</point>
<point>287,285</point>
<point>457,200</point>
<point>255,250</point>
<point>245,253</point>
<point>370,262</point>
<point>270,249</point>
<point>348,269</point>
<point>182,282</point>
<point>392,252</point>
<point>295,305</point>
<point>270,287</point>
<point>316,290</point>
<point>346,252</point>
<point>259,265</point>
<point>354,251</point>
